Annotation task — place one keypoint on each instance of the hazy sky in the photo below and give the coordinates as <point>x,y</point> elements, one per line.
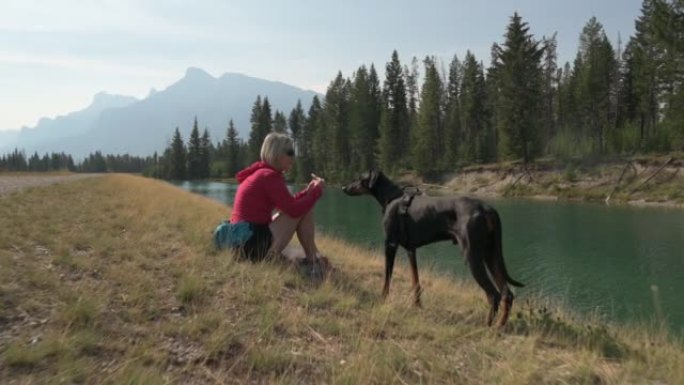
<point>56,54</point>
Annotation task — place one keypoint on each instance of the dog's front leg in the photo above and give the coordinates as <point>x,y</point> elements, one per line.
<point>390,253</point>
<point>414,276</point>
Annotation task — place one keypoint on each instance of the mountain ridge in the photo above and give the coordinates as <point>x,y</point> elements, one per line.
<point>117,124</point>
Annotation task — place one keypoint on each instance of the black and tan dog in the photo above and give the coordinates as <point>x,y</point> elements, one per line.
<point>412,221</point>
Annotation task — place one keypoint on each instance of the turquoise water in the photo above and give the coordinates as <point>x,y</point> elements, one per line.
<point>617,262</point>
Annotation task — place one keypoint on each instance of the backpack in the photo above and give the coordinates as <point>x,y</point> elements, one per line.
<point>232,235</point>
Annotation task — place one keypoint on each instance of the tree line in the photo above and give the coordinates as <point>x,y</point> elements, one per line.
<point>425,116</point>
<point>611,101</point>
<point>94,162</point>
<point>199,158</point>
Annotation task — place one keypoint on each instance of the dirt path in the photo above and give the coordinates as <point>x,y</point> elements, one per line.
<point>13,183</point>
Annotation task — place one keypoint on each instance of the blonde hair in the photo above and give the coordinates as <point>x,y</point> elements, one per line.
<point>275,144</point>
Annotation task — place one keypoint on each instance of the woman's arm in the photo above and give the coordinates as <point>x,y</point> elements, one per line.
<point>293,206</point>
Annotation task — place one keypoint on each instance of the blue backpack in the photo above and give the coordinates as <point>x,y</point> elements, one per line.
<point>232,235</point>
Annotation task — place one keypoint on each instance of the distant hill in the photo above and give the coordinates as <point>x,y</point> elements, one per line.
<point>120,124</point>
<point>74,124</point>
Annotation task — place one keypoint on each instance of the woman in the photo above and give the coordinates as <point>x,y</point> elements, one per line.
<point>262,189</point>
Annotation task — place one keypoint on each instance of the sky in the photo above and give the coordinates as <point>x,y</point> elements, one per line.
<point>55,55</point>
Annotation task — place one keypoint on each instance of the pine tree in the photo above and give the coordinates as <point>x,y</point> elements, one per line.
<point>411,77</point>
<point>549,90</point>
<point>256,134</point>
<point>492,106</point>
<point>296,124</point>
<point>15,161</point>
<point>34,162</point>
<point>336,113</point>
<point>628,103</point>
<point>194,155</point>
<point>427,140</point>
<point>519,77</point>
<point>265,118</point>
<point>205,155</point>
<point>668,30</point>
<point>358,104</point>
<point>279,122</point>
<point>595,91</point>
<point>232,150</point>
<point>477,144</point>
<point>394,125</point>
<point>667,25</point>
<point>452,122</point>
<point>647,57</point>
<point>45,161</point>
<point>568,115</point>
<point>363,133</point>
<point>93,163</point>
<point>374,119</point>
<point>315,138</point>
<point>177,157</point>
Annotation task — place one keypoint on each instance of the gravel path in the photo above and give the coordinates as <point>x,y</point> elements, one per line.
<point>12,183</point>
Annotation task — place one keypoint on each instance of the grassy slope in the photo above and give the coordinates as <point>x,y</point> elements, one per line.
<point>114,280</point>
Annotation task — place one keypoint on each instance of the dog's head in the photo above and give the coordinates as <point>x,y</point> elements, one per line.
<point>363,184</point>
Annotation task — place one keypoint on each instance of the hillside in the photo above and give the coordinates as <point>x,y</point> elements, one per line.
<point>114,280</point>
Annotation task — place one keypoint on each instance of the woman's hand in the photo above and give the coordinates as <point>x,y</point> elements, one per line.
<point>316,181</point>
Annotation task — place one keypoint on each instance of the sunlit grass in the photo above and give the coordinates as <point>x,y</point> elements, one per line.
<point>115,280</point>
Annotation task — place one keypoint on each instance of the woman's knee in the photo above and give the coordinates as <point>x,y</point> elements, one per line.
<point>308,217</point>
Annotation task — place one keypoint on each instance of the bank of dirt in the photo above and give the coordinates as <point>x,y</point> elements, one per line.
<point>656,181</point>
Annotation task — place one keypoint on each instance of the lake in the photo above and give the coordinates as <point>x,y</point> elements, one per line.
<point>620,262</point>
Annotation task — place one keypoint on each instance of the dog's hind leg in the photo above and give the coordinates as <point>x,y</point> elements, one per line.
<point>499,278</point>
<point>477,268</point>
<point>414,276</point>
<point>506,293</point>
<point>496,266</point>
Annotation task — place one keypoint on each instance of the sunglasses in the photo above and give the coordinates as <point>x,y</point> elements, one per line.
<point>290,153</point>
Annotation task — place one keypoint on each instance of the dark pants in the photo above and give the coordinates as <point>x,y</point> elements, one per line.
<point>256,248</point>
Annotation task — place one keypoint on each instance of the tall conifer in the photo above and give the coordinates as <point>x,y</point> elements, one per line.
<point>519,78</point>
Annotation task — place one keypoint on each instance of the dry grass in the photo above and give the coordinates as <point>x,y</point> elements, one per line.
<point>114,280</point>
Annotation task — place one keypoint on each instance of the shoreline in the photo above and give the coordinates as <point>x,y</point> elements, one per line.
<point>649,182</point>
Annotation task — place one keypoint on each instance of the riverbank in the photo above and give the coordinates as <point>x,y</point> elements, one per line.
<point>642,181</point>
<point>114,279</point>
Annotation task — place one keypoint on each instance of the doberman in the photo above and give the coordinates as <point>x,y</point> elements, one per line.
<point>412,221</point>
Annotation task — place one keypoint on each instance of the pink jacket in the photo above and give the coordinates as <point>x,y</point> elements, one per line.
<point>262,189</point>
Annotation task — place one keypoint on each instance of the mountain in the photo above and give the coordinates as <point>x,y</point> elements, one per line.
<point>140,127</point>
<point>49,130</point>
<point>8,139</point>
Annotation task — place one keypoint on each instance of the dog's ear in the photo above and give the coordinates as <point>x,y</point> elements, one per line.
<point>373,177</point>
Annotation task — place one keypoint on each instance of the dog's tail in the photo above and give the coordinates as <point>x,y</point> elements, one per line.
<point>493,216</point>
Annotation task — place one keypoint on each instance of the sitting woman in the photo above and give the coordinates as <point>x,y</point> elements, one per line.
<point>262,189</point>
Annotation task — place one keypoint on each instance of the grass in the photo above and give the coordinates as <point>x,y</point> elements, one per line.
<point>114,280</point>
